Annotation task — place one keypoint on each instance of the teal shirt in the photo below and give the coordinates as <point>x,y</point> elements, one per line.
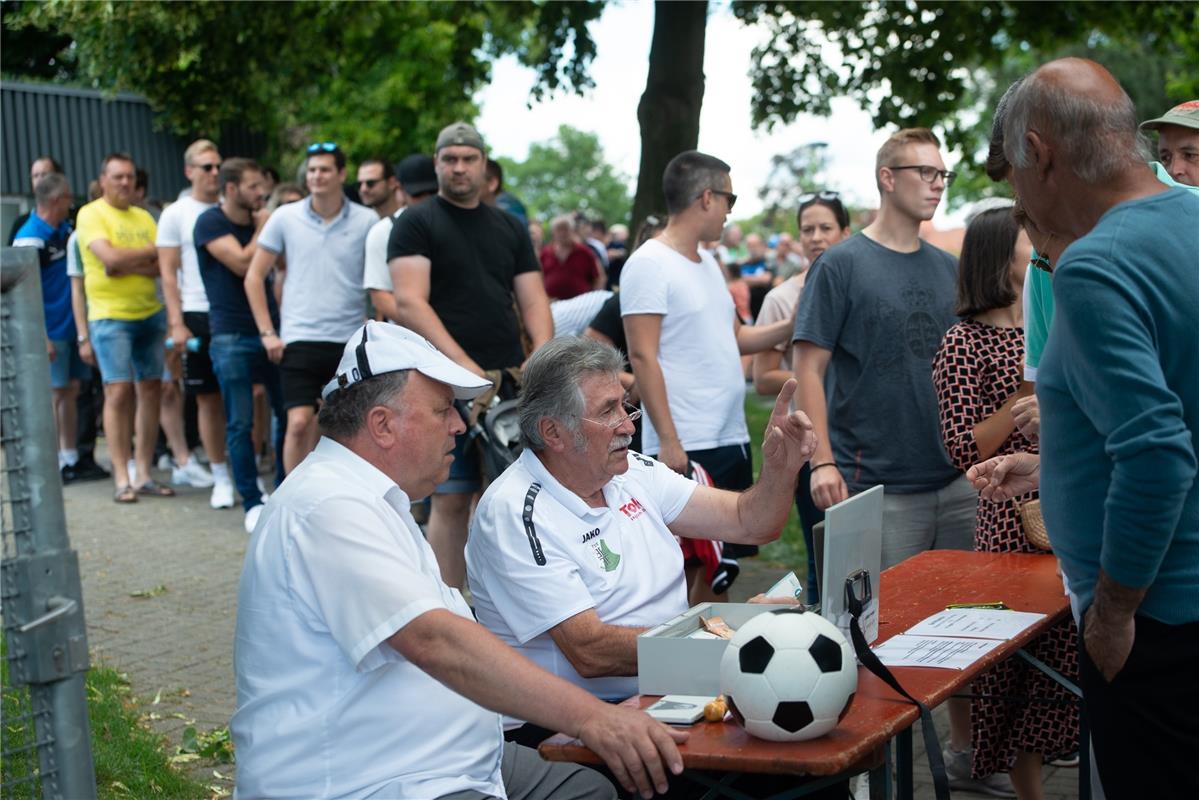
<point>1119,392</point>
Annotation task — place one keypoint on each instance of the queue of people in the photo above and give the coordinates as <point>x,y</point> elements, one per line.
<point>362,670</point>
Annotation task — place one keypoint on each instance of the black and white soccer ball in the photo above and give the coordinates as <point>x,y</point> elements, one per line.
<point>788,675</point>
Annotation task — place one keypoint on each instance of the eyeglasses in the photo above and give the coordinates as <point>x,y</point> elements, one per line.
<point>929,174</point>
<point>370,184</point>
<point>732,198</point>
<point>208,167</point>
<point>322,147</point>
<point>808,197</point>
<point>617,416</point>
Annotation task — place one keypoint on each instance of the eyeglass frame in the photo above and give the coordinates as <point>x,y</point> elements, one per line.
<point>629,411</point>
<point>322,147</point>
<point>370,182</point>
<point>823,194</point>
<point>730,196</point>
<point>207,167</point>
<point>947,176</point>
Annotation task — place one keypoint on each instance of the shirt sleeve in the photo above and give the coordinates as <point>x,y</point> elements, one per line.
<point>74,265</point>
<point>956,379</point>
<point>169,228</point>
<point>90,227</point>
<point>824,304</point>
<point>1115,377</point>
<point>372,588</point>
<point>271,236</point>
<point>642,290</point>
<point>410,235</point>
<point>375,272</point>
<point>530,597</point>
<point>208,229</point>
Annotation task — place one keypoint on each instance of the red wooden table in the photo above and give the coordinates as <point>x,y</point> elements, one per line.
<point>909,592</point>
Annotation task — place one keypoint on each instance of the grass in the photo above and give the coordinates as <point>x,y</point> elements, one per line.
<point>131,761</point>
<point>789,550</point>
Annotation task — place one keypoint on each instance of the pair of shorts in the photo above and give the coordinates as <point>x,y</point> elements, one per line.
<point>129,349</point>
<point>305,369</point>
<point>466,476</point>
<point>67,366</point>
<point>198,374</point>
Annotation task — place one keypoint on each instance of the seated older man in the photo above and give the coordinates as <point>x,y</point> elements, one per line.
<point>359,672</point>
<point>572,552</point>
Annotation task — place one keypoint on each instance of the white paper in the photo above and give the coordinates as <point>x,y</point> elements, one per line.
<point>788,586</point>
<point>976,623</point>
<point>943,652</point>
<point>679,709</point>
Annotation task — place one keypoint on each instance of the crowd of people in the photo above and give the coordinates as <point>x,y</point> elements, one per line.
<point>370,337</point>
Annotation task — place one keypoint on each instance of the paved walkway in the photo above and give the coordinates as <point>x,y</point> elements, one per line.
<point>175,639</point>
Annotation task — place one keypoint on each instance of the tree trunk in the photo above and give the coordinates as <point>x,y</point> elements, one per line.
<point>674,93</point>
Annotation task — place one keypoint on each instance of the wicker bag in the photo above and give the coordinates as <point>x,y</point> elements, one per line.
<point>1034,525</point>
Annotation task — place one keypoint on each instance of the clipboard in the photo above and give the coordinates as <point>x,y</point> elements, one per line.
<point>850,551</point>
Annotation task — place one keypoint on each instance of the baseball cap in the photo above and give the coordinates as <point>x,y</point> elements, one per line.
<point>380,347</point>
<point>1184,114</point>
<point>459,133</point>
<point>417,174</point>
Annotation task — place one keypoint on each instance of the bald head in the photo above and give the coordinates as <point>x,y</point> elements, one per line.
<point>1081,112</point>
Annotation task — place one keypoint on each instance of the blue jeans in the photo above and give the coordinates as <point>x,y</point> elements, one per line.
<point>240,361</point>
<point>130,349</point>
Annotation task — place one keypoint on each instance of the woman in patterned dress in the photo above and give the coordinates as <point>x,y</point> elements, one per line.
<point>977,374</point>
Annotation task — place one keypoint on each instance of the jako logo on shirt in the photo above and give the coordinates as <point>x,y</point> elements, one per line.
<point>591,534</point>
<point>632,509</point>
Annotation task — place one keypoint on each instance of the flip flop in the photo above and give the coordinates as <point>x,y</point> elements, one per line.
<point>124,494</point>
<point>153,488</point>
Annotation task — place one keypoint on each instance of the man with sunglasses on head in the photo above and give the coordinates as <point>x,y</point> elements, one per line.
<point>323,238</point>
<point>187,318</point>
<point>573,553</point>
<point>686,342</point>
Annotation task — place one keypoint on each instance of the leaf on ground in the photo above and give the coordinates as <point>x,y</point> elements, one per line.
<point>155,591</point>
<point>157,698</point>
<point>218,791</point>
<point>184,758</point>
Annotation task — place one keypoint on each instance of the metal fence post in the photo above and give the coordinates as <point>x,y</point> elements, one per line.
<point>44,631</point>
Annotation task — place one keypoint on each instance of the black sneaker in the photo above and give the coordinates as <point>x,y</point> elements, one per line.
<point>89,470</point>
<point>726,572</point>
<point>67,471</point>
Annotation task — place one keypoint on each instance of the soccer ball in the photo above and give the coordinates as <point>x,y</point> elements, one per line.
<point>788,675</point>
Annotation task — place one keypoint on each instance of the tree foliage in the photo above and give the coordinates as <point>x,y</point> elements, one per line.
<point>568,173</point>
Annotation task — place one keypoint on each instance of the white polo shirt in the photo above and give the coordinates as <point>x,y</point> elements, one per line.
<point>375,273</point>
<point>176,227</point>
<point>323,300</point>
<point>538,554</point>
<point>325,706</point>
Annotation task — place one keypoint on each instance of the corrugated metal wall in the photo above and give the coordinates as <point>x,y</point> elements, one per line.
<point>79,127</point>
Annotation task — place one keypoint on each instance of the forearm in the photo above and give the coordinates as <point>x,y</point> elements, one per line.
<point>385,303</point>
<point>810,399</point>
<point>538,321</point>
<point>756,338</point>
<point>762,510</point>
<point>79,307</point>
<point>652,385</point>
<point>769,375</point>
<point>119,261</point>
<point>168,269</point>
<point>255,289</point>
<point>602,651</point>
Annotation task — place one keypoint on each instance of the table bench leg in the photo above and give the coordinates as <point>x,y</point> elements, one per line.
<point>904,787</point>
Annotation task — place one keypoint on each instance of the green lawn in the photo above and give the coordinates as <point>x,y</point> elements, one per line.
<point>789,551</point>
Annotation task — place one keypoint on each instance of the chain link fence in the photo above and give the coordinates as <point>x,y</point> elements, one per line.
<point>45,749</point>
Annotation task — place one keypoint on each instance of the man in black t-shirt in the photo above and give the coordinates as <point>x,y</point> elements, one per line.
<point>226,238</point>
<point>458,265</point>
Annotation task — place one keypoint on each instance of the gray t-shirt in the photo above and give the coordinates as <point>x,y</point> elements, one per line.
<point>882,314</point>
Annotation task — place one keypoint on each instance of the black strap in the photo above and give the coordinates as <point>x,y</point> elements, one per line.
<point>530,530</point>
<point>364,366</point>
<point>932,744</point>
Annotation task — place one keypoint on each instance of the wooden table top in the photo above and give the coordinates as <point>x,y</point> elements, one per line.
<point>909,592</point>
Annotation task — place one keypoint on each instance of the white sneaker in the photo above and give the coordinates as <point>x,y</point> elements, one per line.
<point>165,462</point>
<point>957,769</point>
<point>192,474</point>
<point>252,516</point>
<point>222,494</point>
<point>262,489</point>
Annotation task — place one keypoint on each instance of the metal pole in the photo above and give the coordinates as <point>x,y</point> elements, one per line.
<point>53,597</point>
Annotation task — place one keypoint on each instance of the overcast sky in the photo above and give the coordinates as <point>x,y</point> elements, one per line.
<point>609,110</point>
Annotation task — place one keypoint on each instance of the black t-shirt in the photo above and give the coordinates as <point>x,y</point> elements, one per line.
<point>228,308</point>
<point>608,322</point>
<point>474,255</point>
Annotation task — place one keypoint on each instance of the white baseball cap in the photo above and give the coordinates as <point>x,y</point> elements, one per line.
<point>380,347</point>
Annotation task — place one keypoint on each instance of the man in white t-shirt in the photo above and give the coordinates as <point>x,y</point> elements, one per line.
<point>418,182</point>
<point>572,552</point>
<point>187,317</point>
<point>683,333</point>
<point>382,690</point>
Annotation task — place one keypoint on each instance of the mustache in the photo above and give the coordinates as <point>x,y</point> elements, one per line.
<point>619,443</point>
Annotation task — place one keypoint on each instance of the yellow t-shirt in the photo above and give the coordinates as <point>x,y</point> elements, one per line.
<point>129,297</point>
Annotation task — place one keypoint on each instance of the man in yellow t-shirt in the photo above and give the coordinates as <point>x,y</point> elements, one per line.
<point>126,322</point>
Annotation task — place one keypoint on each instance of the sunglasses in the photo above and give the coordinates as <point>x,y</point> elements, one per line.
<point>370,184</point>
<point>207,167</point>
<point>808,197</point>
<point>322,147</point>
<point>732,198</point>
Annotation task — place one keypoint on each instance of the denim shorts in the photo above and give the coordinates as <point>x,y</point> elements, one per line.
<point>465,476</point>
<point>130,349</point>
<point>67,366</point>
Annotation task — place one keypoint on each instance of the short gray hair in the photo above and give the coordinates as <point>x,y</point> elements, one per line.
<point>1098,139</point>
<point>551,383</point>
<point>50,187</point>
<point>343,412</point>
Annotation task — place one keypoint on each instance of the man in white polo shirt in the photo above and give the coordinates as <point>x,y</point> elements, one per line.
<point>359,672</point>
<point>573,553</point>
<point>323,238</point>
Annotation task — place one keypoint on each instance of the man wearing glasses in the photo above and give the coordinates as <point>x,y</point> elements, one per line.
<point>378,187</point>
<point>686,342</point>
<point>187,318</point>
<point>572,552</point>
<point>323,238</point>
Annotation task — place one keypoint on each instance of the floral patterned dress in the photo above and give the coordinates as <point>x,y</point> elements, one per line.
<point>977,368</point>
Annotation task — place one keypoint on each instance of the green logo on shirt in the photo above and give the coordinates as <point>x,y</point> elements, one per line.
<point>611,560</point>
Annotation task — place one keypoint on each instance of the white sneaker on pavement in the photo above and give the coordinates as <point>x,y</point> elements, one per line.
<point>957,768</point>
<point>262,488</point>
<point>192,474</point>
<point>252,517</point>
<point>222,494</point>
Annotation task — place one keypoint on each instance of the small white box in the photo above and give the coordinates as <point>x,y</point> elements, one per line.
<point>670,661</point>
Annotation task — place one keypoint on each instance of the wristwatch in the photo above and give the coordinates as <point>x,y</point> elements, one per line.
<point>267,332</point>
<point>81,340</point>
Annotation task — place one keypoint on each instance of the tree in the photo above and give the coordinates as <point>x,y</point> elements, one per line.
<point>568,173</point>
<point>791,174</point>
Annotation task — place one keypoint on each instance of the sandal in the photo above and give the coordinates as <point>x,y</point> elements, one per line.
<point>153,488</point>
<point>124,494</point>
